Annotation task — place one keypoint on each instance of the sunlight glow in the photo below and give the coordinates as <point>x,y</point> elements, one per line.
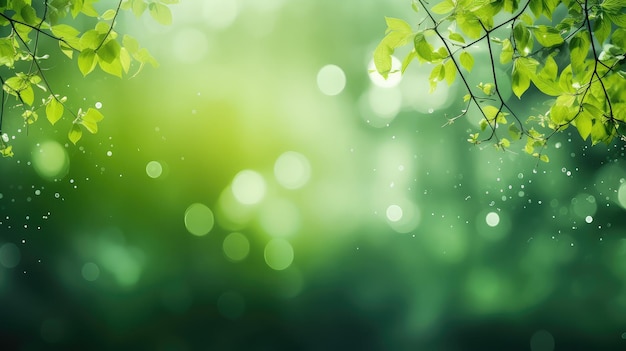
<point>249,187</point>
<point>331,80</point>
<point>292,170</point>
<point>50,160</point>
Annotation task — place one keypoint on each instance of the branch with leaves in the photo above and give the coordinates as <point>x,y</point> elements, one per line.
<point>573,52</point>
<point>22,65</point>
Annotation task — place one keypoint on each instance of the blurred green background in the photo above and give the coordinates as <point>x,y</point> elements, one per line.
<point>263,190</point>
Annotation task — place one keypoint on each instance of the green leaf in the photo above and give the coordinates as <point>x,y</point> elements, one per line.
<point>160,13</point>
<point>77,6</point>
<point>29,15</point>
<point>547,36</point>
<point>602,28</point>
<point>579,49</point>
<point>86,61</point>
<point>514,132</point>
<point>467,60</point>
<point>7,151</point>
<point>422,47</point>
<point>545,81</point>
<point>90,120</point>
<point>506,55</point>
<point>443,7</point>
<point>456,37</point>
<point>520,81</point>
<point>54,110</point>
<point>521,34</point>
<point>584,123</point>
<point>139,6</point>
<point>7,52</point>
<point>469,24</point>
<point>75,134</point>
<point>436,75</point>
<point>113,68</point>
<point>108,14</point>
<point>109,51</point>
<point>130,43</point>
<point>397,25</point>
<point>544,158</point>
<point>91,39</point>
<point>382,59</point>
<point>125,59</point>
<point>407,60</point>
<point>27,94</point>
<point>450,69</point>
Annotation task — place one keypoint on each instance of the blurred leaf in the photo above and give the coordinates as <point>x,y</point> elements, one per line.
<point>54,110</point>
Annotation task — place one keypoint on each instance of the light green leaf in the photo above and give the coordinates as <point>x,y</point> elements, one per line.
<point>422,47</point>
<point>514,132</point>
<point>436,75</point>
<point>443,7</point>
<point>27,94</point>
<point>407,60</point>
<point>113,68</point>
<point>547,36</point>
<point>54,110</point>
<point>160,13</point>
<point>86,61</point>
<point>139,6</point>
<point>397,25</point>
<point>382,59</point>
<point>90,120</point>
<point>29,15</point>
<point>520,80</point>
<point>456,37</point>
<point>579,49</point>
<point>75,134</point>
<point>125,59</point>
<point>450,70</point>
<point>109,51</point>
<point>130,43</point>
<point>544,158</point>
<point>467,60</point>
<point>91,39</point>
<point>108,14</point>
<point>506,55</point>
<point>469,24</point>
<point>602,28</point>
<point>584,123</point>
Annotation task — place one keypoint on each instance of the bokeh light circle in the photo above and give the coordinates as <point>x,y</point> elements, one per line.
<point>249,187</point>
<point>236,246</point>
<point>292,170</point>
<point>154,169</point>
<point>331,80</point>
<point>90,271</point>
<point>50,160</point>
<point>199,219</point>
<point>492,219</point>
<point>621,195</point>
<point>278,254</point>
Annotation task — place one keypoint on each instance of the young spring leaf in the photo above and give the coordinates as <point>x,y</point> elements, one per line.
<point>467,60</point>
<point>54,110</point>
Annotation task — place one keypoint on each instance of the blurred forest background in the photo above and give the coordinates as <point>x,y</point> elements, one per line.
<point>263,190</point>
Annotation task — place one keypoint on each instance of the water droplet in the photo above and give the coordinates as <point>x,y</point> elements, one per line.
<point>492,219</point>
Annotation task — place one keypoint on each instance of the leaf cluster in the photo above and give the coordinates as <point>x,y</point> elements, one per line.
<point>571,52</point>
<point>83,34</point>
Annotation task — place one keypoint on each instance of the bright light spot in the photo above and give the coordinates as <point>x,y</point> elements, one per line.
<point>98,105</point>
<point>248,187</point>
<point>393,78</point>
<point>220,13</point>
<point>492,219</point>
<point>199,219</point>
<point>588,219</point>
<point>5,137</point>
<point>621,195</point>
<point>154,169</point>
<point>331,80</point>
<point>90,271</point>
<point>542,340</point>
<point>394,213</point>
<point>231,305</point>
<point>190,45</point>
<point>278,254</point>
<point>50,160</point>
<point>236,246</point>
<point>292,170</point>
<point>385,103</point>
<point>10,255</point>
<point>109,153</point>
<point>280,218</point>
